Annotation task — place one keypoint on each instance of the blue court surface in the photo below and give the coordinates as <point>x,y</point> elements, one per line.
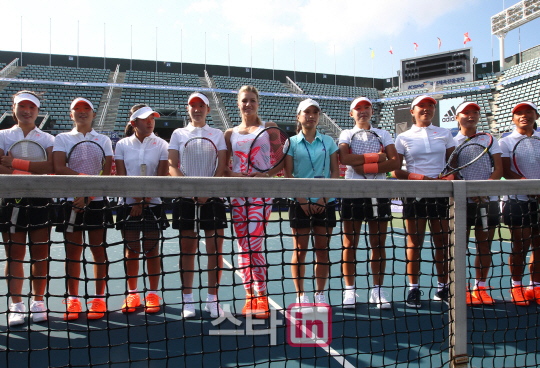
<point>500,335</point>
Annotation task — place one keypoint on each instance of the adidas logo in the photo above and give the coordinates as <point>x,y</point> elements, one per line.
<point>450,115</point>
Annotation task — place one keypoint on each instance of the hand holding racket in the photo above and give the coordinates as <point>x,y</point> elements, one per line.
<point>28,150</point>
<point>268,150</point>
<point>86,158</point>
<point>464,156</point>
<point>362,142</point>
<point>199,158</point>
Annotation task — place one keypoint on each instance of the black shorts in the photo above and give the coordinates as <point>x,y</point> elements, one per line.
<point>520,213</point>
<point>97,215</point>
<point>152,219</point>
<point>492,210</point>
<point>212,214</point>
<point>361,209</point>
<point>299,220</point>
<point>34,213</point>
<point>426,208</point>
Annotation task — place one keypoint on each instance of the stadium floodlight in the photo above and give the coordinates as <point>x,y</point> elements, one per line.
<point>512,18</point>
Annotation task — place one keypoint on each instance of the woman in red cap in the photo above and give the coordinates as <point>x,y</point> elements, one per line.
<point>426,148</point>
<point>520,213</point>
<point>141,153</point>
<point>93,213</point>
<point>17,216</point>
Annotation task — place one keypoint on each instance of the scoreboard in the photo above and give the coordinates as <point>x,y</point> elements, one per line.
<point>441,68</point>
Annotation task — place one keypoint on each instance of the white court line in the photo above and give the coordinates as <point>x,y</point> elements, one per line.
<point>337,356</point>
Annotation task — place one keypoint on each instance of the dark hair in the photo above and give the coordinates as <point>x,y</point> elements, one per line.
<point>37,95</point>
<point>130,130</point>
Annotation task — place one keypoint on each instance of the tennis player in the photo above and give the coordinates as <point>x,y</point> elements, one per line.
<point>141,153</point>
<point>250,215</point>
<point>311,155</point>
<point>212,210</point>
<point>34,216</point>
<point>520,213</point>
<point>426,149</point>
<point>467,116</point>
<point>355,211</point>
<point>93,213</point>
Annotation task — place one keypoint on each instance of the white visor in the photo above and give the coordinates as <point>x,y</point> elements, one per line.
<point>201,96</point>
<point>357,101</point>
<point>421,98</point>
<point>305,104</point>
<point>143,113</point>
<point>464,105</point>
<point>525,103</point>
<point>80,99</point>
<point>26,97</point>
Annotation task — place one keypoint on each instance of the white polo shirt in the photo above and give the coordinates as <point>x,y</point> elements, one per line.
<point>507,146</point>
<point>15,133</point>
<point>64,142</point>
<point>134,154</point>
<point>181,135</point>
<point>424,149</point>
<point>345,137</point>
<point>495,148</point>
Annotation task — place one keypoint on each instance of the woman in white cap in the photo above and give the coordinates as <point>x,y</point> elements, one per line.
<point>34,214</point>
<point>520,213</point>
<point>358,210</point>
<point>93,213</point>
<point>426,148</point>
<point>250,215</point>
<point>141,153</point>
<point>467,116</point>
<point>212,219</point>
<point>311,155</point>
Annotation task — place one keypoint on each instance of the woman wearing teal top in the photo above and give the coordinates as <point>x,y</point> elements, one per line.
<point>311,155</point>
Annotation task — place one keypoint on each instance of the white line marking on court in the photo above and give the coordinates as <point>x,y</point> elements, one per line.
<point>337,356</point>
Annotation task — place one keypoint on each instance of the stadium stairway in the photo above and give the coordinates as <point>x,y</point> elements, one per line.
<point>216,118</point>
<point>112,110</point>
<point>13,74</point>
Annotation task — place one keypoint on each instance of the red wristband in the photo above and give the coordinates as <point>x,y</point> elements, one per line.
<point>371,168</point>
<point>81,174</point>
<point>19,164</point>
<point>20,172</point>
<point>523,178</point>
<point>414,176</point>
<point>91,198</point>
<point>449,177</point>
<point>371,158</point>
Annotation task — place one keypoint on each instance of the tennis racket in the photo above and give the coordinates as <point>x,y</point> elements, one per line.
<point>481,169</point>
<point>199,158</point>
<point>470,156</point>
<point>362,142</point>
<point>86,157</point>
<point>526,157</point>
<point>268,150</point>
<point>29,150</point>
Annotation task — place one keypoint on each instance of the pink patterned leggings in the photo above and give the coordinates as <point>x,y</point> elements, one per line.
<point>249,221</point>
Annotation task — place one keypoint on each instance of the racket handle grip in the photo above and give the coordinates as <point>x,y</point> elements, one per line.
<point>375,207</point>
<point>483,216</point>
<point>14,217</point>
<point>72,218</point>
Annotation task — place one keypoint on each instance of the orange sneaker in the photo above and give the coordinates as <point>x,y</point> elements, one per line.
<point>533,294</point>
<point>471,300</point>
<point>73,309</point>
<point>97,309</point>
<point>131,302</point>
<point>251,304</point>
<point>517,296</point>
<point>152,303</point>
<point>262,308</point>
<point>482,296</point>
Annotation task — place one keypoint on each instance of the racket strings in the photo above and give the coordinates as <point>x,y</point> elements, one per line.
<point>199,158</point>
<point>527,156</point>
<point>365,143</point>
<point>86,158</point>
<point>479,170</point>
<point>28,150</point>
<point>268,149</point>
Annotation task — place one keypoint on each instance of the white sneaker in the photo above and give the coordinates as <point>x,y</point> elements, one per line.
<point>213,308</point>
<point>349,299</point>
<point>189,308</point>
<point>320,299</point>
<point>304,299</point>
<point>16,314</point>
<point>39,312</point>
<point>378,297</point>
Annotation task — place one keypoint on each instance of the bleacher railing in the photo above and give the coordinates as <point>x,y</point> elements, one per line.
<point>225,121</point>
<point>109,96</point>
<point>327,122</point>
<point>294,86</point>
<point>8,68</point>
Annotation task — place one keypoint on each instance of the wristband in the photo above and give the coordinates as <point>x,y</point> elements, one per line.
<point>371,168</point>
<point>414,176</point>
<point>91,198</point>
<point>20,172</point>
<point>523,178</point>
<point>82,174</point>
<point>449,177</point>
<point>19,164</point>
<point>371,158</point>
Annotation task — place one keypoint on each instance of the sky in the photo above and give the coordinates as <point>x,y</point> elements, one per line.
<point>303,35</point>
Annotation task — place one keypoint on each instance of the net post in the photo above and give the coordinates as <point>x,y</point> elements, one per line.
<point>459,357</point>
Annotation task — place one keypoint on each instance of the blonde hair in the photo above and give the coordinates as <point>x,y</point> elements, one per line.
<point>252,89</point>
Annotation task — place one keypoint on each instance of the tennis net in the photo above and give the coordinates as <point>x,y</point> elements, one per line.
<point>328,333</point>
